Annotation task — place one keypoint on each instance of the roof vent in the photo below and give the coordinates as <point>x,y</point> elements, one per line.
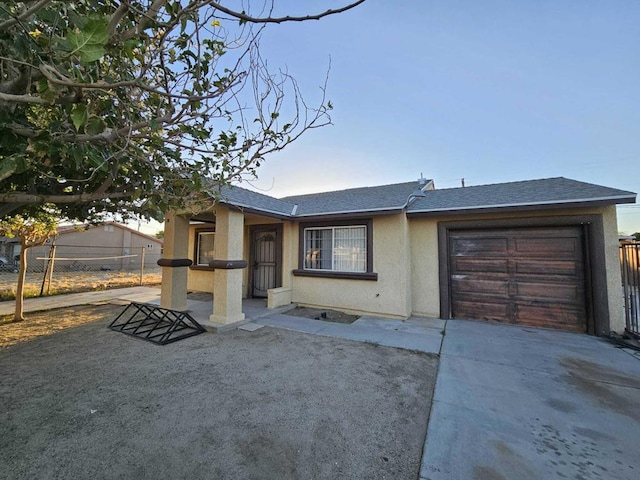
<point>422,181</point>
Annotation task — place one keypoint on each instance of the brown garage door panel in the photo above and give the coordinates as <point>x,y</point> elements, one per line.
<point>548,267</point>
<point>484,311</point>
<point>529,276</point>
<point>480,265</point>
<point>475,246</point>
<point>547,247</point>
<point>550,317</point>
<point>550,293</point>
<point>464,284</point>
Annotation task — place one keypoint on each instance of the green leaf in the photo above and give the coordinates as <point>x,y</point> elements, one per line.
<point>12,165</point>
<point>89,42</point>
<point>95,126</point>
<point>45,90</point>
<point>79,116</point>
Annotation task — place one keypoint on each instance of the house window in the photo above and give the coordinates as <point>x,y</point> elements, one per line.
<point>336,249</point>
<point>205,250</point>
<point>339,249</point>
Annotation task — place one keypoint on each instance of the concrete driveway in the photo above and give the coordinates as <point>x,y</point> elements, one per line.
<point>525,403</point>
<point>88,402</point>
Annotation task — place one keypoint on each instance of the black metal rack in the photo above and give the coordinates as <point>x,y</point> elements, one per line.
<point>156,324</point>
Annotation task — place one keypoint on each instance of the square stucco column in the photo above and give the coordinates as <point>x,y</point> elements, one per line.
<point>173,290</point>
<point>227,284</point>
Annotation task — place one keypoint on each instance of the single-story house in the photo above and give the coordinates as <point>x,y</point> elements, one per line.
<point>539,252</point>
<point>106,246</point>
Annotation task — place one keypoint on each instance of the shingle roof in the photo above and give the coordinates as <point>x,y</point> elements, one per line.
<point>382,198</point>
<point>364,199</point>
<point>548,191</point>
<point>241,197</point>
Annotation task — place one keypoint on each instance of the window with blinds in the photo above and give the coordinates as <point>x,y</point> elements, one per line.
<point>340,249</point>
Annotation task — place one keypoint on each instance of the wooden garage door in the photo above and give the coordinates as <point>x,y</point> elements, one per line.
<point>524,276</point>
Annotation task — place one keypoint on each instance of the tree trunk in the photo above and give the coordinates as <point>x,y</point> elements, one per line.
<point>22,274</point>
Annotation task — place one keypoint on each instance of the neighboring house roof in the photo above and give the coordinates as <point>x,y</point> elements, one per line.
<point>86,226</point>
<point>548,192</point>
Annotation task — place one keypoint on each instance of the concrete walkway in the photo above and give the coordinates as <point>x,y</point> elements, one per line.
<point>131,294</point>
<point>528,403</point>
<point>418,334</point>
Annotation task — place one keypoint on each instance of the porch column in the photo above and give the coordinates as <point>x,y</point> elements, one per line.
<point>173,290</point>
<point>227,283</point>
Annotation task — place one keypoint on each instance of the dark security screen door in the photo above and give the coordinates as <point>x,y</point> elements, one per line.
<point>264,263</point>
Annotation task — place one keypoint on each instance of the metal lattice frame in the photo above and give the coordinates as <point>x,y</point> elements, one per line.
<point>156,324</point>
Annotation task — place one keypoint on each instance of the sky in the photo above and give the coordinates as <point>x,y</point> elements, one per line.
<point>490,91</point>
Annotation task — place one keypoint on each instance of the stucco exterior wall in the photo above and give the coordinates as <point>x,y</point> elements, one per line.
<point>425,286</point>
<point>198,280</point>
<point>388,296</point>
<point>614,276</point>
<point>289,252</point>
<point>425,269</point>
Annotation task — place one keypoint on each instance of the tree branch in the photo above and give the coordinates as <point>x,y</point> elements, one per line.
<point>10,98</point>
<point>249,19</point>
<point>23,197</point>
<point>27,13</point>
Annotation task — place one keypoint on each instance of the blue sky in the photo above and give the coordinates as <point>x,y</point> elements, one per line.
<point>489,91</point>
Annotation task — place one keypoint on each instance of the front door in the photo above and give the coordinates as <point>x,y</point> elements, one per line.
<point>266,253</point>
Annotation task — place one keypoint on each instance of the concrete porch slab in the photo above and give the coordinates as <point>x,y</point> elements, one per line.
<point>250,327</point>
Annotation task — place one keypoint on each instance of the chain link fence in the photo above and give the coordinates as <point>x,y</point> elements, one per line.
<point>56,269</point>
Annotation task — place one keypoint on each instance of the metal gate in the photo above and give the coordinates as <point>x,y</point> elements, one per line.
<point>630,264</point>
<point>264,263</point>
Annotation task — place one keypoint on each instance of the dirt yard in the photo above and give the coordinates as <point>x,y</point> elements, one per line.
<point>81,401</point>
<point>73,282</point>
<point>40,324</point>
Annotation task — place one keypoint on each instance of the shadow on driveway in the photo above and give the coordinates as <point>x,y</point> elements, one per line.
<point>88,402</point>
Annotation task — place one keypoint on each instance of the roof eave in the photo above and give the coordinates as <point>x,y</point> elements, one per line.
<point>548,205</point>
<point>349,214</point>
<point>257,211</point>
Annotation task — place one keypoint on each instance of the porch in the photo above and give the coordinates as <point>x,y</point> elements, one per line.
<point>199,306</point>
<point>236,254</point>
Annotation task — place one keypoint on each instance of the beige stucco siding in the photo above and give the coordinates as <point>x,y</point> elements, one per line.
<point>388,296</point>
<point>614,276</point>
<point>425,268</point>
<point>425,287</point>
<point>289,252</point>
<point>198,280</point>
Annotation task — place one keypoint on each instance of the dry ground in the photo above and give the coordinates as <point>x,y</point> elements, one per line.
<point>74,282</point>
<point>39,324</point>
<point>81,401</point>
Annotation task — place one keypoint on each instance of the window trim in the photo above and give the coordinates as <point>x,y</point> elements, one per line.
<point>196,237</point>
<point>369,274</point>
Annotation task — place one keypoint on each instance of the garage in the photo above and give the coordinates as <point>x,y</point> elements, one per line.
<point>525,276</point>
